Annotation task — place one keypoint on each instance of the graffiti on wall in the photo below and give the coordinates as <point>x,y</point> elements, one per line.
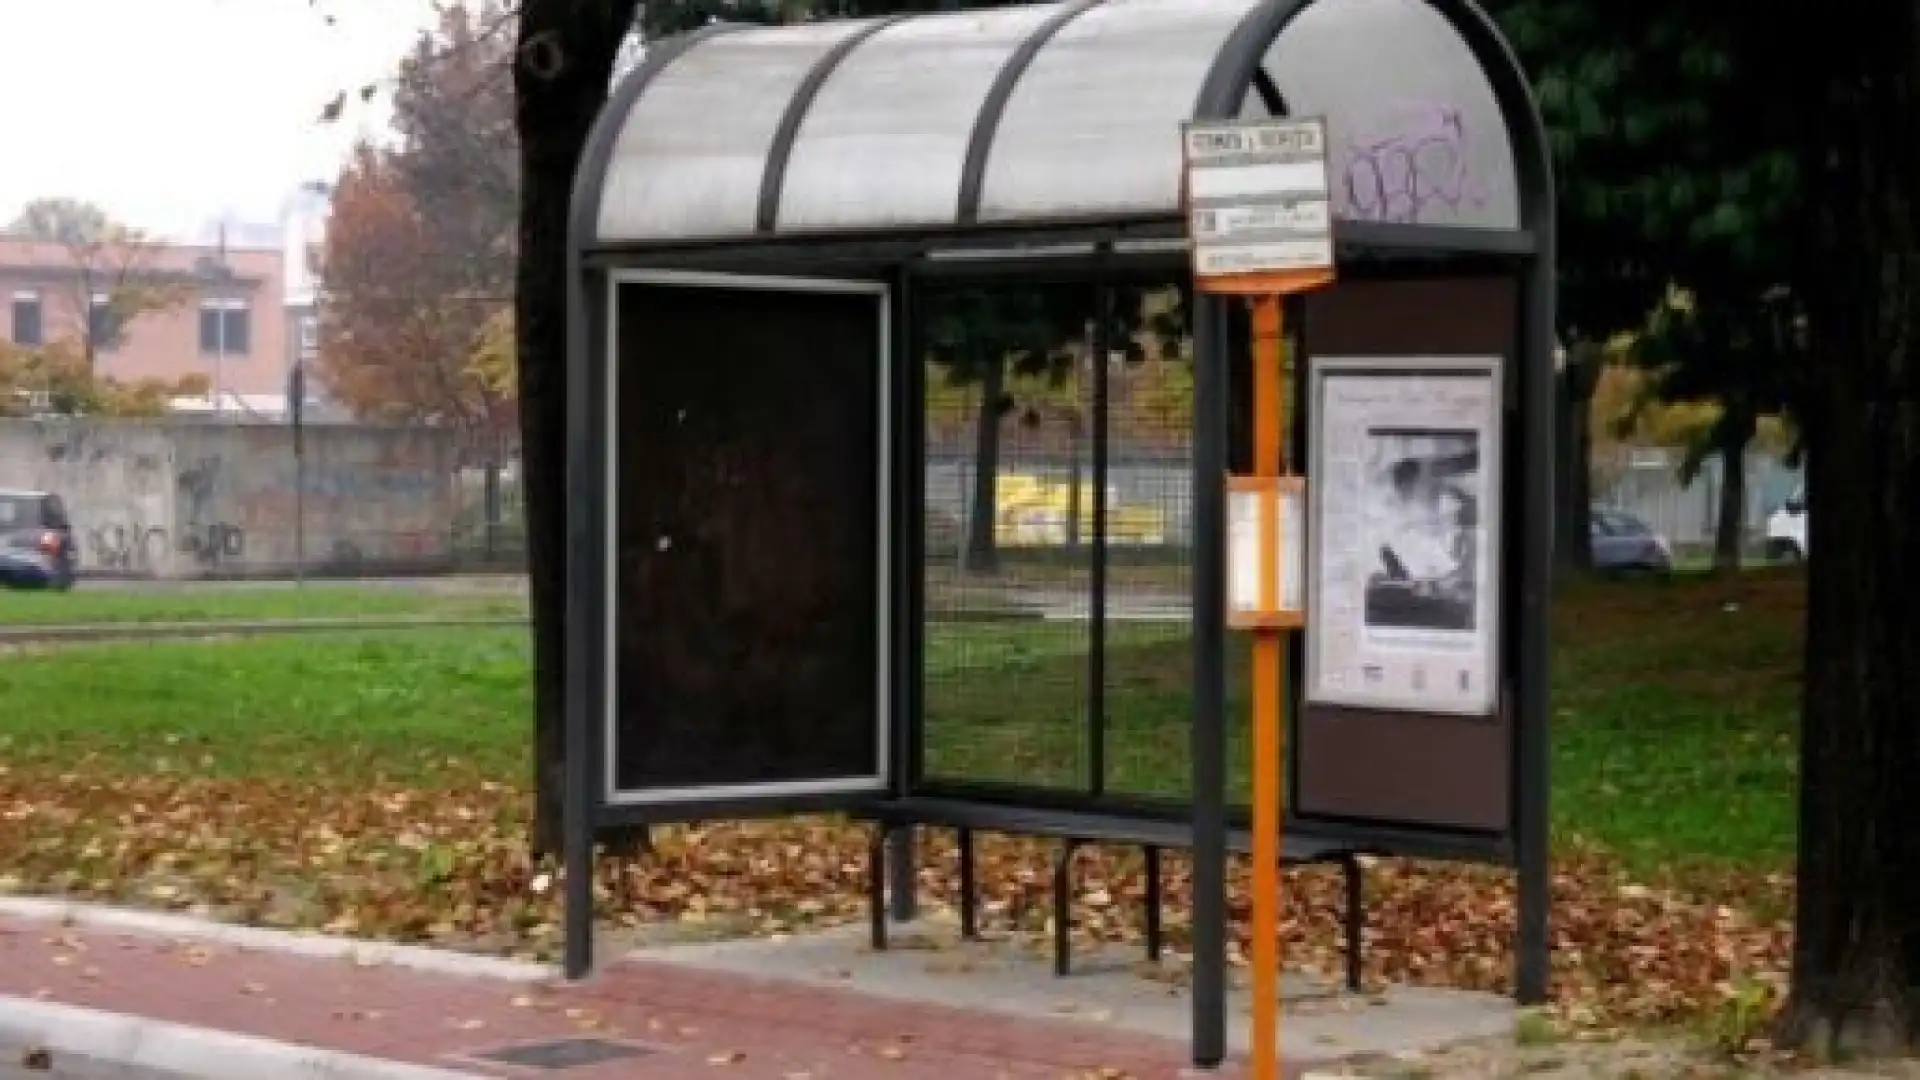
<point>158,501</point>
<point>115,484</point>
<point>1413,166</point>
<point>205,538</point>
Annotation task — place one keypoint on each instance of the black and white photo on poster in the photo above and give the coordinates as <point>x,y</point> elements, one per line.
<point>1404,460</point>
<point>1422,499</point>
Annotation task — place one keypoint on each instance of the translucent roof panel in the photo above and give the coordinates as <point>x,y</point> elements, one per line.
<point>689,161</point>
<point>1093,127</point>
<point>884,143</point>
<point>1039,113</point>
<point>1420,139</point>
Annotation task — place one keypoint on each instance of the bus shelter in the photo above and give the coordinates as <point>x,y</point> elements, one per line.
<point>863,512</point>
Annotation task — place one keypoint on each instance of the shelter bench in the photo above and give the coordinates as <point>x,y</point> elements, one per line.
<point>1082,829</point>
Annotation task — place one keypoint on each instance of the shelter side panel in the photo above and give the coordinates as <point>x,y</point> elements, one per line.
<point>1445,769</point>
<point>746,619</point>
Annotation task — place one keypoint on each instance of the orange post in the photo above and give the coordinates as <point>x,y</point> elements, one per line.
<point>1268,686</point>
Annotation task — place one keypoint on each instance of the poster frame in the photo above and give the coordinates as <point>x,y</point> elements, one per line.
<point>874,784</point>
<point>1491,585</point>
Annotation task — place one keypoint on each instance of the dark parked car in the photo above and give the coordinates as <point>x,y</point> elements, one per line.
<point>1624,543</point>
<point>36,541</point>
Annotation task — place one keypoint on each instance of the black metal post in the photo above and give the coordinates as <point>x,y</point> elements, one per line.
<point>905,541</point>
<point>903,884</point>
<point>1533,850</point>
<point>1098,345</point>
<point>877,886</point>
<point>1063,908</point>
<point>1151,855</point>
<point>1210,418</point>
<point>296,416</point>
<point>588,450</point>
<point>969,887</point>
<point>1355,920</point>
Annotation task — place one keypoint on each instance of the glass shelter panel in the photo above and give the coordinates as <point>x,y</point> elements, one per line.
<point>1093,127</point>
<point>689,162</point>
<point>885,142</point>
<point>1148,668</point>
<point>1009,530</point>
<point>1417,135</point>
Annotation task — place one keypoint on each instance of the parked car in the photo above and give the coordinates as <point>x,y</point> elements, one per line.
<point>36,541</point>
<point>1787,530</point>
<point>1624,543</point>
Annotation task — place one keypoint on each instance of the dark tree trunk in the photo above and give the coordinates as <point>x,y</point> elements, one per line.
<point>1573,487</point>
<point>563,61</point>
<point>1856,963</point>
<point>1733,434</point>
<point>983,551</point>
<point>1075,471</point>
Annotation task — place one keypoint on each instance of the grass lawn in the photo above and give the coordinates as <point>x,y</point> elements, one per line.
<point>1675,709</point>
<point>240,603</point>
<point>1674,704</point>
<point>426,707</point>
<point>375,783</point>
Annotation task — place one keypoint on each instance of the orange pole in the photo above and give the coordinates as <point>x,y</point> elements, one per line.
<point>1268,676</point>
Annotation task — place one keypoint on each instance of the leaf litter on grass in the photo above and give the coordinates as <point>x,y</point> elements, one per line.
<point>451,867</point>
<point>355,787</point>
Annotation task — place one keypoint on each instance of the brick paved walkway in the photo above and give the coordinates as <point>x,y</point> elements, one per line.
<point>690,1024</point>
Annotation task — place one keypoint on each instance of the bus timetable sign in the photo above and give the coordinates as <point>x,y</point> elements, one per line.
<point>1258,201</point>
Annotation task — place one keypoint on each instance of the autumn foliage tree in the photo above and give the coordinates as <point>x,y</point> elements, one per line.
<point>420,249</point>
<point>57,379</point>
<point>400,340</point>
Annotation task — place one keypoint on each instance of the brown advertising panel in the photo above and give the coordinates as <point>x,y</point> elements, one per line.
<point>1405,719</point>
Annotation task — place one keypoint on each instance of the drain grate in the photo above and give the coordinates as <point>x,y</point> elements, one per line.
<point>564,1054</point>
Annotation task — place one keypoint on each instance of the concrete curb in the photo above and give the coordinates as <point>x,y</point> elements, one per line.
<point>88,916</point>
<point>200,1053</point>
<point>163,631</point>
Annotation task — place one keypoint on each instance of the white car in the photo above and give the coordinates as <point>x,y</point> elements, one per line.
<point>1787,530</point>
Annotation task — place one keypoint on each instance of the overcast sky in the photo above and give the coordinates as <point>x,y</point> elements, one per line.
<point>168,113</point>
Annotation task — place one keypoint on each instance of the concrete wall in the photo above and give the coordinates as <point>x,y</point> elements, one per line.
<point>172,500</point>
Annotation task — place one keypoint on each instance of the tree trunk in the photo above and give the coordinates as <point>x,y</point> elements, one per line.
<point>563,61</point>
<point>983,551</point>
<point>1734,433</point>
<point>1573,487</point>
<point>1075,470</point>
<point>1856,963</point>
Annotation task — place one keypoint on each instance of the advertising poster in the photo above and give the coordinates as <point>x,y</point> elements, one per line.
<point>1403,611</point>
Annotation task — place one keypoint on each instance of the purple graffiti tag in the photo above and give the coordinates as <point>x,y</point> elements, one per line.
<point>1415,171</point>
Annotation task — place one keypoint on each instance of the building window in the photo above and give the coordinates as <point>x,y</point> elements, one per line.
<point>225,327</point>
<point>29,327</point>
<point>104,324</point>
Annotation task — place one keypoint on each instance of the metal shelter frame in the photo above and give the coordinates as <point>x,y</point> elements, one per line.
<point>802,228</point>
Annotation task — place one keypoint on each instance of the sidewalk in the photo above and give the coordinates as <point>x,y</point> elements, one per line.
<point>637,1021</point>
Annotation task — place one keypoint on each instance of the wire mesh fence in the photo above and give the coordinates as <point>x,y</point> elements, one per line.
<point>1059,549</point>
<point>1010,515</point>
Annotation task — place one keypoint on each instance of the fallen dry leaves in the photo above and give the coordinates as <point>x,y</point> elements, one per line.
<point>452,867</point>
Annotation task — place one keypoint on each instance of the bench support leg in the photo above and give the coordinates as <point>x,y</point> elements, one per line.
<point>1356,922</point>
<point>1063,909</point>
<point>1151,855</point>
<point>877,886</point>
<point>969,888</point>
<point>905,890</point>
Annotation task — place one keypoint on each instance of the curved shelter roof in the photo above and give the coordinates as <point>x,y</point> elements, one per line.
<point>1051,114</point>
